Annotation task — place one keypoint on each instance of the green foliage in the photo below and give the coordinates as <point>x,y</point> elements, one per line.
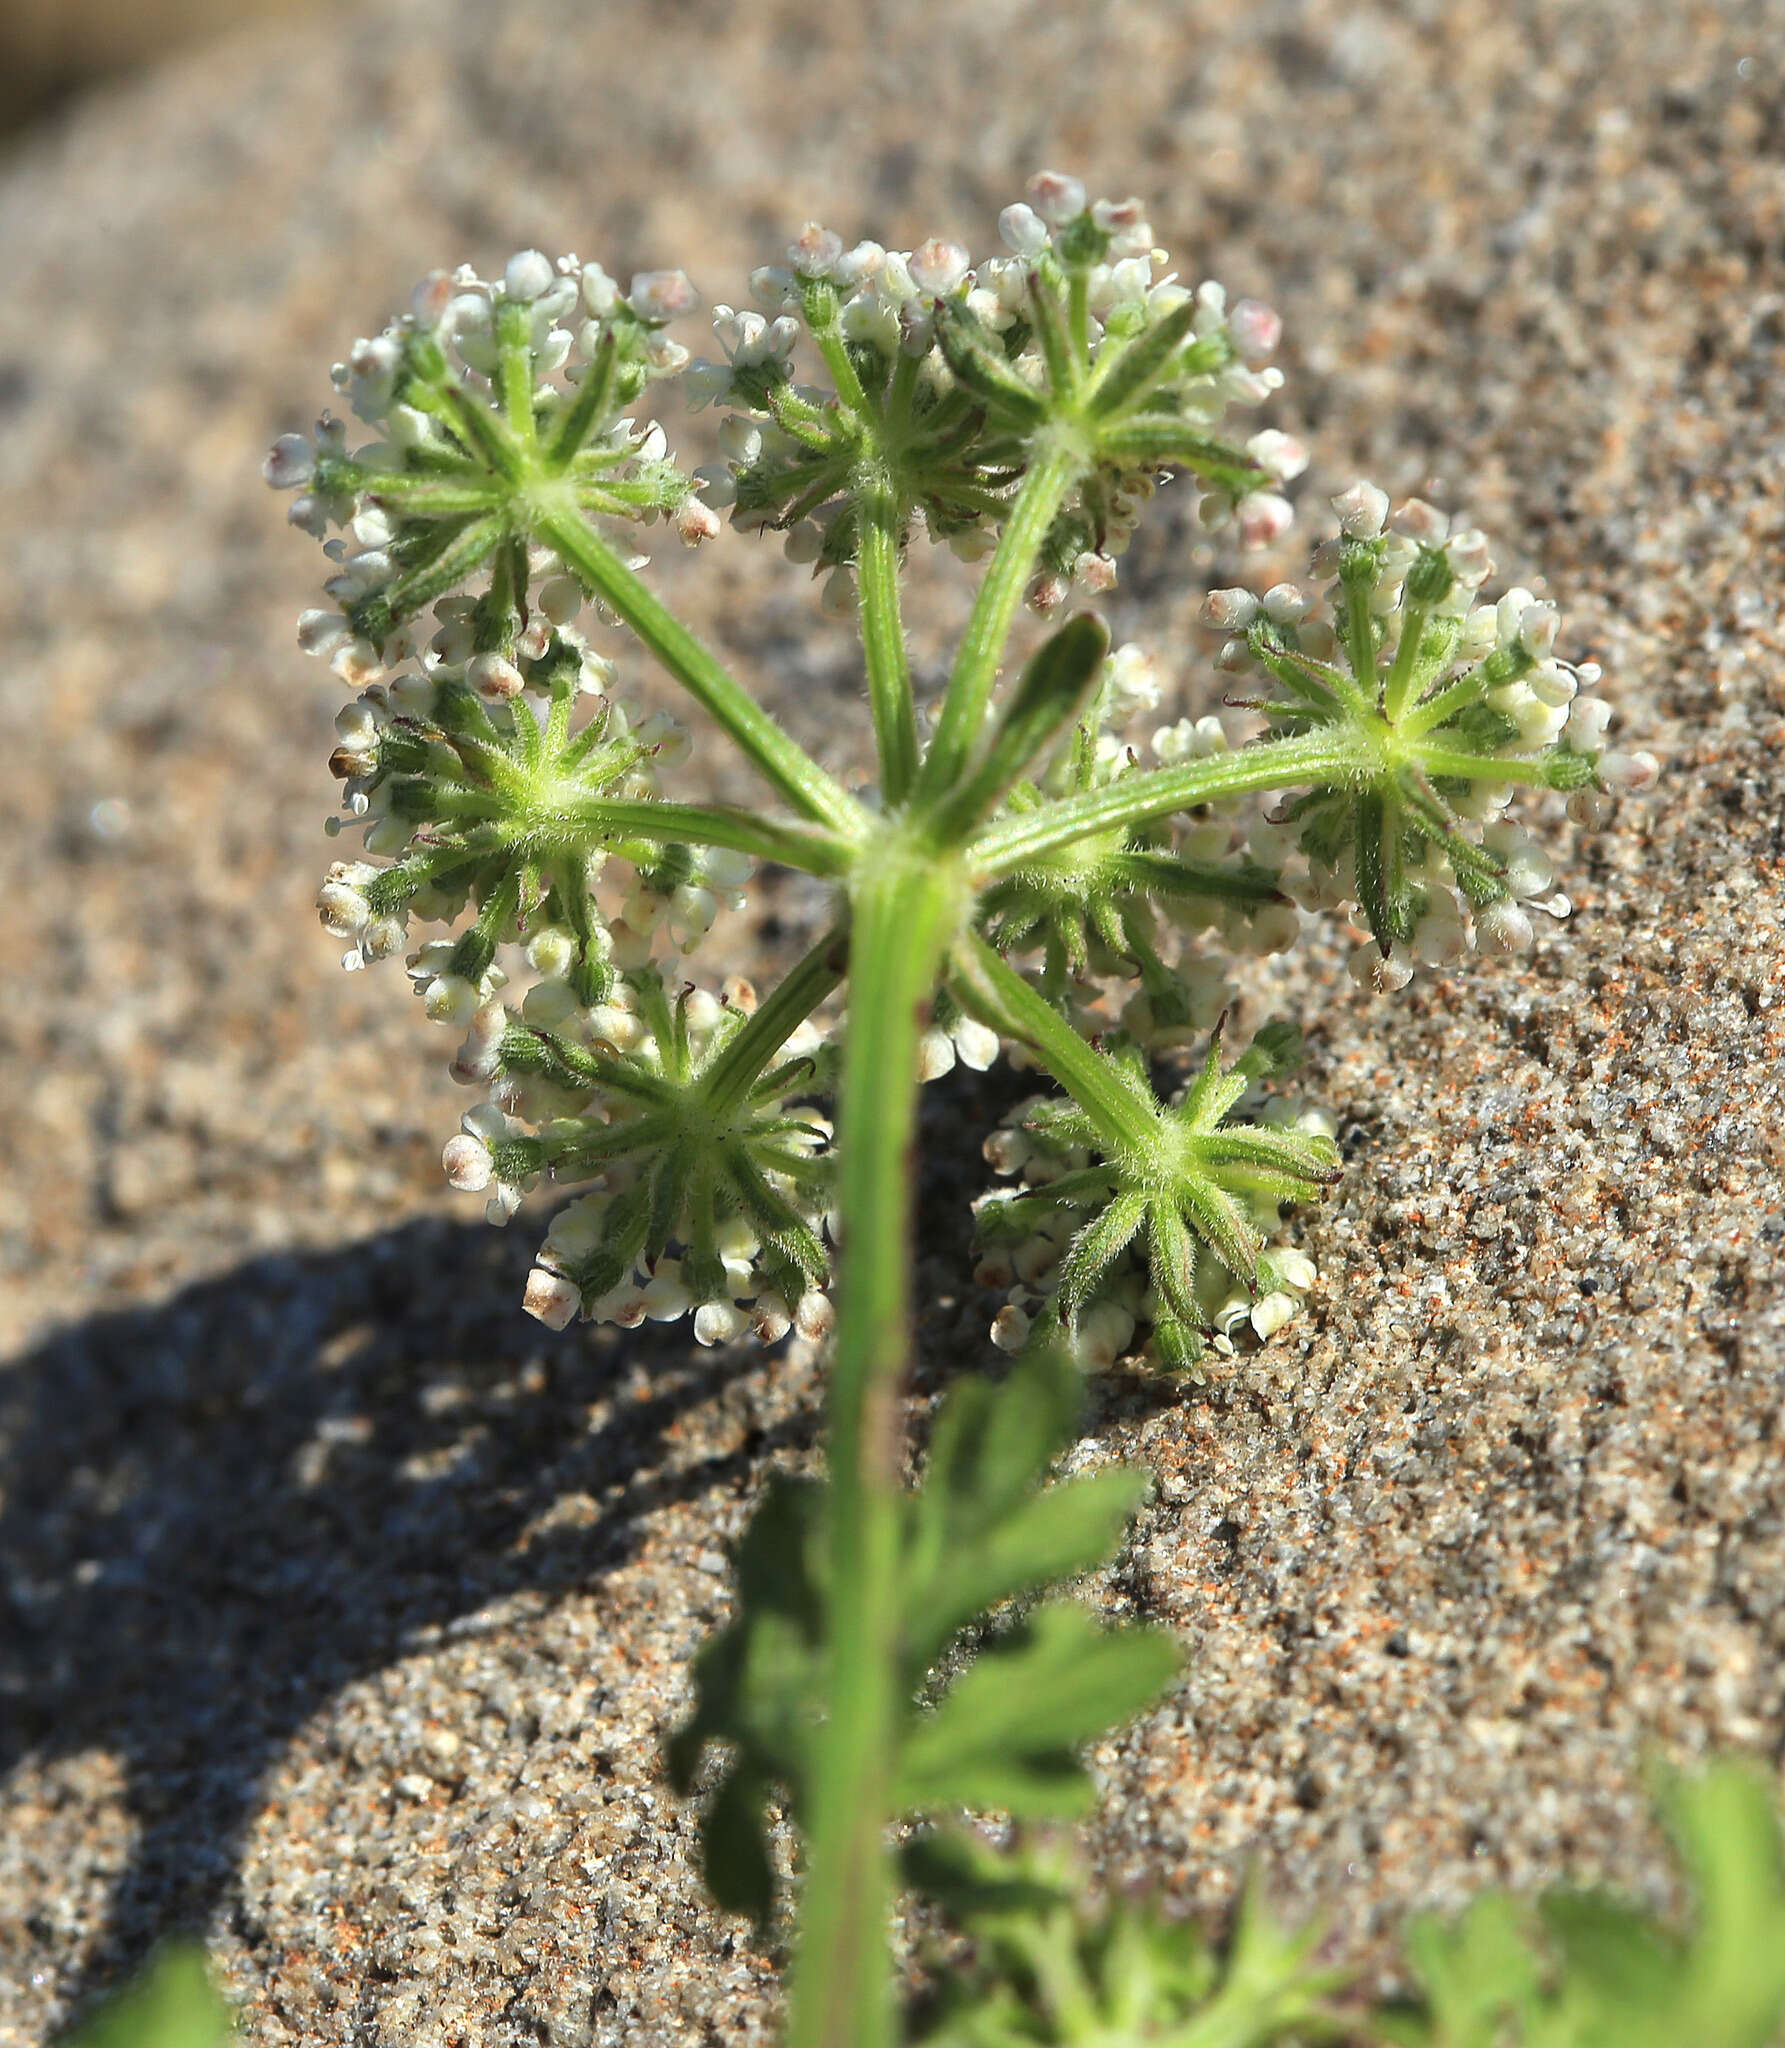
<point>1049,1968</point>
<point>1583,1970</point>
<point>1003,1732</point>
<point>172,2004</point>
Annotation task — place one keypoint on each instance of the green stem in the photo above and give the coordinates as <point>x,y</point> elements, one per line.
<point>781,759</point>
<point>1401,671</point>
<point>747,1056</point>
<point>883,643</point>
<point>810,849</point>
<point>1004,1000</point>
<point>1134,799</point>
<point>1465,767</point>
<point>905,912</point>
<point>982,647</point>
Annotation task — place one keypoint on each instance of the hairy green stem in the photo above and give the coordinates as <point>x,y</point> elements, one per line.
<point>905,911</point>
<point>1135,799</point>
<point>1000,997</point>
<point>994,610</point>
<point>883,644</point>
<point>786,764</point>
<point>807,847</point>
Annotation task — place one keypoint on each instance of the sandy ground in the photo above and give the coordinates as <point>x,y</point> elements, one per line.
<point>344,1608</point>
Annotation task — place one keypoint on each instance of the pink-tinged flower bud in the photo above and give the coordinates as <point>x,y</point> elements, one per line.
<point>770,1319</point>
<point>1096,572</point>
<point>1422,523</point>
<point>658,295</point>
<point>468,1164</point>
<point>1023,230</point>
<point>290,461</point>
<point>1057,197</point>
<point>817,251</point>
<point>1255,330</point>
<point>938,266</point>
<point>814,1316</point>
<point>1264,518</point>
<point>1629,771</point>
<point>495,678</point>
<point>696,522</point>
<point>528,276</point>
<point>551,1298</point>
<point>1361,509</point>
<point>1229,611</point>
<point>1279,455</point>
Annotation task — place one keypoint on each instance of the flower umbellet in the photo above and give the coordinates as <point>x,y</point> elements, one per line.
<point>1054,866</point>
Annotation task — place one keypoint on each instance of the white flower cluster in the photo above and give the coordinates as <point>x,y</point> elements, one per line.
<point>743,1283</point>
<point>1424,570</point>
<point>1117,1321</point>
<point>890,305</point>
<point>435,385</point>
<point>408,755</point>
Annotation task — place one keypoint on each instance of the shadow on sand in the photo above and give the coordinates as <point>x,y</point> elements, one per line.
<point>212,1521</point>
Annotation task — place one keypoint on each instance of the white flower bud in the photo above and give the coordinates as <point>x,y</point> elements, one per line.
<point>935,1055</point>
<point>1010,1328</point>
<point>290,461</point>
<point>977,1045</point>
<point>1271,1312</point>
<point>528,276</point>
<point>551,951</point>
<point>469,1166</point>
<point>1023,230</point>
<point>1551,684</point>
<point>1361,508</point>
<point>1295,1270</point>
<point>719,1322</point>
<point>1537,629</point>
<point>1502,928</point>
<point>449,999</point>
<point>600,293</point>
<point>1588,718</point>
<point>1105,1331</point>
<point>1380,973</point>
